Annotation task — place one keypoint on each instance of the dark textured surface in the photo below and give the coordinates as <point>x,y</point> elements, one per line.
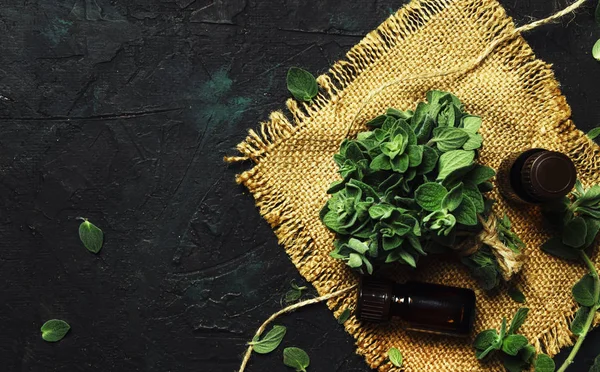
<point>121,111</point>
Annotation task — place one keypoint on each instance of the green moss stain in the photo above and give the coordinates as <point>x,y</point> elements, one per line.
<point>344,22</point>
<point>57,30</point>
<point>216,105</point>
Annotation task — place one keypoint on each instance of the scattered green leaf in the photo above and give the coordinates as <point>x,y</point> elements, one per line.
<point>302,84</point>
<point>296,358</point>
<point>596,366</point>
<point>395,356</point>
<point>596,51</point>
<point>344,316</point>
<point>270,342</point>
<point>592,134</point>
<point>91,236</point>
<point>54,330</point>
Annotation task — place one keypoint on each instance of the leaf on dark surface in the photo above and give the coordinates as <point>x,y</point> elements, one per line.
<point>54,330</point>
<point>271,340</point>
<point>302,84</point>
<point>91,236</point>
<point>296,358</point>
<point>543,363</point>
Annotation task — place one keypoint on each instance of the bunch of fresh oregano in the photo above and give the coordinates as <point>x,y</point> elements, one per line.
<point>516,353</point>
<point>411,186</point>
<point>577,220</point>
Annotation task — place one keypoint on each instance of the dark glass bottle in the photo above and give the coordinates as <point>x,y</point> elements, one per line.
<point>425,307</point>
<point>536,176</point>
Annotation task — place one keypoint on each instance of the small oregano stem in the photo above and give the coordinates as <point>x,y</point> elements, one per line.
<point>289,309</point>
<point>590,319</point>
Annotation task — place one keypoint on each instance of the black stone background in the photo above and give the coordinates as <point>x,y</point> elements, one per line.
<point>121,111</point>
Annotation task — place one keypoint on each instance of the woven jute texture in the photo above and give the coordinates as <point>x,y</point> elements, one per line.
<point>521,106</point>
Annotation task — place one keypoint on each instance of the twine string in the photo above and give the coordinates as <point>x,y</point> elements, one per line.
<point>470,65</point>
<point>289,309</point>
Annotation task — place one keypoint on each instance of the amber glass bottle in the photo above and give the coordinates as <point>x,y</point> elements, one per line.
<point>424,307</point>
<point>536,176</point>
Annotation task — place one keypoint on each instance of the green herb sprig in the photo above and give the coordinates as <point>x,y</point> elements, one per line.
<point>577,219</point>
<point>516,352</point>
<point>293,294</point>
<point>411,186</point>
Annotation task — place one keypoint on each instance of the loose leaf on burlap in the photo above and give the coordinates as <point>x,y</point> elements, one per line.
<point>521,107</point>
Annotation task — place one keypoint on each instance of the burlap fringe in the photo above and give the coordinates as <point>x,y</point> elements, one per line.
<point>289,230</point>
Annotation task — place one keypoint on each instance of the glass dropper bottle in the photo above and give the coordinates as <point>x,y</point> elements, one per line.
<point>424,307</point>
<point>536,176</point>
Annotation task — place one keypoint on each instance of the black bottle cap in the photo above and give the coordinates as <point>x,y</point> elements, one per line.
<point>374,299</point>
<point>548,175</point>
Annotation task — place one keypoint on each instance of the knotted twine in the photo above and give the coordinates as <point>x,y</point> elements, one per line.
<point>521,106</point>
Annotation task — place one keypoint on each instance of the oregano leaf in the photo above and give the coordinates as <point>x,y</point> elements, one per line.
<point>54,330</point>
<point>556,247</point>
<point>596,51</point>
<point>480,174</point>
<point>395,356</point>
<point>471,123</point>
<point>344,316</point>
<point>452,160</point>
<point>454,198</point>
<point>271,340</point>
<point>596,366</point>
<point>474,142</point>
<point>485,339</point>
<point>512,344</point>
<point>578,323</point>
<point>296,358</point>
<point>91,236</point>
<point>518,320</point>
<point>513,363</point>
<point>354,260</point>
<point>466,213</point>
<point>428,161</point>
<point>516,294</point>
<point>472,192</point>
<point>574,233</point>
<point>448,138</point>
<point>583,291</point>
<point>592,134</point>
<point>302,84</point>
<point>543,363</point>
<point>430,195</point>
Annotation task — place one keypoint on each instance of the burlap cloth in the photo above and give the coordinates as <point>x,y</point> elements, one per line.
<point>521,106</point>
